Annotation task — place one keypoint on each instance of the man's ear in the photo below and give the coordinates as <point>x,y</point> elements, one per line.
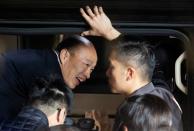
<point>64,56</point>
<point>130,73</point>
<point>61,115</point>
<point>58,115</point>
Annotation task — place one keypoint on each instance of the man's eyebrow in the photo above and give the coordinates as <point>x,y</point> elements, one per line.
<point>89,61</point>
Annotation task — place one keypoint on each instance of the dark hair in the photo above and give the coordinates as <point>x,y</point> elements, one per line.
<point>135,52</point>
<point>72,42</point>
<point>145,113</point>
<point>48,94</point>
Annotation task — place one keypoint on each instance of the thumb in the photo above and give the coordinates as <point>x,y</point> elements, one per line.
<point>89,32</point>
<point>85,33</point>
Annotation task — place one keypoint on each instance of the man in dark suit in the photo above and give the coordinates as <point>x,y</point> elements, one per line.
<point>73,61</point>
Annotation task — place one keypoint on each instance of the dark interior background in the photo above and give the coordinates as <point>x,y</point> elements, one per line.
<point>125,11</point>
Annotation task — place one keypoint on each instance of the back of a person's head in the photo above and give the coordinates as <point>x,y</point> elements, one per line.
<point>135,52</point>
<point>145,113</point>
<point>72,42</point>
<point>48,95</point>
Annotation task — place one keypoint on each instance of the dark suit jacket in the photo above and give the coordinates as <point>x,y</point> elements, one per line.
<point>29,119</point>
<point>17,71</point>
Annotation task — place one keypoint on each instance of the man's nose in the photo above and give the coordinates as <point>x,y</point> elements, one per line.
<point>88,73</point>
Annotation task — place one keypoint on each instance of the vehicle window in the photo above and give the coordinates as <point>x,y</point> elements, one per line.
<point>8,42</point>
<point>167,49</point>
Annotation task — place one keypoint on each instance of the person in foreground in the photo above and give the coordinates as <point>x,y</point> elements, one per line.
<point>144,113</point>
<point>47,107</point>
<point>131,64</point>
<point>73,61</point>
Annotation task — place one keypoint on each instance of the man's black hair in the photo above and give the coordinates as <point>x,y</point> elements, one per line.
<point>48,92</point>
<point>136,52</point>
<point>145,113</point>
<point>71,42</point>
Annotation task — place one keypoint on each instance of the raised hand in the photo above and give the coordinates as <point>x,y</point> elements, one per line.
<point>99,22</point>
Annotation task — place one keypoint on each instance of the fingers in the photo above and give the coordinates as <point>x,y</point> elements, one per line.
<point>88,114</point>
<point>101,10</point>
<point>100,25</point>
<point>96,11</point>
<point>90,12</point>
<point>83,13</point>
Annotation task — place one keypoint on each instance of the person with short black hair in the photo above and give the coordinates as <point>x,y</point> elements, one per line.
<point>144,113</point>
<point>47,107</point>
<point>131,64</point>
<point>132,53</point>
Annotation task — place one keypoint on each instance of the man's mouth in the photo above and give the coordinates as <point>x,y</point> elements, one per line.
<point>79,80</point>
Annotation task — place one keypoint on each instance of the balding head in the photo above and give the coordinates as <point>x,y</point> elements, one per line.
<point>78,59</point>
<point>73,42</point>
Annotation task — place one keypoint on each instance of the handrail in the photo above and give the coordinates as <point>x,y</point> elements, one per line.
<point>178,80</point>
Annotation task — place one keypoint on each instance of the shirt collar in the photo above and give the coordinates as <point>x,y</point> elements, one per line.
<point>57,54</point>
<point>144,90</point>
